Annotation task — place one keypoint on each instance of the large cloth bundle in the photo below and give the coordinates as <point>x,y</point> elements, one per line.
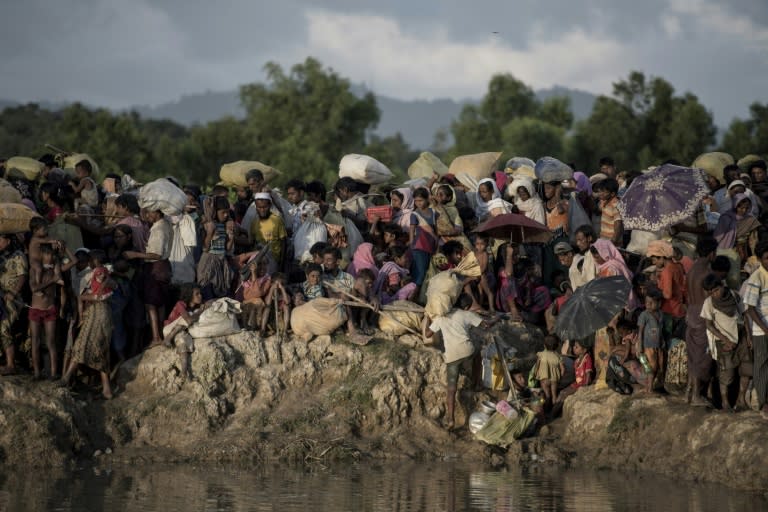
<point>426,165</point>
<point>8,194</point>
<point>164,196</point>
<point>442,291</point>
<point>218,319</point>
<point>745,162</point>
<point>397,323</point>
<point>500,431</point>
<point>477,166</point>
<point>520,166</point>
<point>68,163</point>
<point>233,173</point>
<point>713,163</point>
<point>364,169</point>
<point>311,231</point>
<point>551,169</point>
<point>23,167</point>
<point>317,317</point>
<point>14,218</point>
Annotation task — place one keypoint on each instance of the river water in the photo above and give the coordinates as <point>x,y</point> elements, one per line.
<point>403,487</point>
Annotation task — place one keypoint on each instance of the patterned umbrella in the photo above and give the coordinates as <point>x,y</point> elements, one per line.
<point>592,307</point>
<point>518,228</point>
<point>663,197</point>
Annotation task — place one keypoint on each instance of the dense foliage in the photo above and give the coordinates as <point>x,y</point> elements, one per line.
<point>302,122</point>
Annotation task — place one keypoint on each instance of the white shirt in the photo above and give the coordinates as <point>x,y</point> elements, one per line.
<point>455,330</point>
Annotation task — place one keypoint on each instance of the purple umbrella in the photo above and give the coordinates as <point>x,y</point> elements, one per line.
<point>662,198</point>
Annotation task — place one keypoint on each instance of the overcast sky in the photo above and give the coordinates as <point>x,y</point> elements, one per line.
<point>118,53</point>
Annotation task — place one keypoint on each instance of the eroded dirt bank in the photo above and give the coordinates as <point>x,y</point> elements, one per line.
<point>312,403</point>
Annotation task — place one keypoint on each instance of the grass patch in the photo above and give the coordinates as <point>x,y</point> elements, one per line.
<point>625,420</point>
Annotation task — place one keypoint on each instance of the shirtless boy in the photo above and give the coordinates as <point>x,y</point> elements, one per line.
<point>43,280</point>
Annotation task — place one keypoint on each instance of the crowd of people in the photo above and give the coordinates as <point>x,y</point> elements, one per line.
<point>97,279</point>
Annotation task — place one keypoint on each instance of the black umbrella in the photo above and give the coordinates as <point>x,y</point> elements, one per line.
<point>592,306</point>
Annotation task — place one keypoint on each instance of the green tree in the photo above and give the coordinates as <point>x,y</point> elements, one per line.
<point>748,136</point>
<point>303,122</point>
<point>532,137</point>
<point>651,125</point>
<point>557,111</point>
<point>392,151</point>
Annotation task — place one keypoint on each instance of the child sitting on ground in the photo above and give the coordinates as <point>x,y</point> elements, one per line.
<point>549,368</point>
<point>399,287</point>
<point>312,288</point>
<point>184,313</point>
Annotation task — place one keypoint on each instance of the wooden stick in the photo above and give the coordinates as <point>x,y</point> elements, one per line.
<point>366,305</point>
<point>387,307</point>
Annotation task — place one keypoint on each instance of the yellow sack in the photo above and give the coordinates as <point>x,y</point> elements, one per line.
<point>395,322</point>
<point>477,166</point>
<point>23,167</point>
<point>468,266</point>
<point>426,165</point>
<point>14,218</point>
<point>745,162</point>
<point>442,291</point>
<point>713,163</point>
<point>233,173</point>
<point>8,194</point>
<point>318,316</point>
<point>69,162</point>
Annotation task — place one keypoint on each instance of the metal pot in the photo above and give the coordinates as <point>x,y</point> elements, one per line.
<point>487,407</point>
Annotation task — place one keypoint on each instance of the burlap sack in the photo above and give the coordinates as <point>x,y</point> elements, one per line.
<point>233,173</point>
<point>426,165</point>
<point>14,218</point>
<point>23,167</point>
<point>317,317</point>
<point>713,163</point>
<point>477,166</point>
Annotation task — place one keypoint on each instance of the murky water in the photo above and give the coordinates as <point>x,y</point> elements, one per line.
<point>405,487</point>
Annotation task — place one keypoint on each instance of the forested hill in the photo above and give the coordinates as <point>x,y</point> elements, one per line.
<point>416,120</point>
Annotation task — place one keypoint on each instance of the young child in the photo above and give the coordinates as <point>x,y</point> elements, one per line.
<point>280,298</point>
<point>723,311</point>
<point>363,289</point>
<point>43,281</point>
<point>312,288</point>
<point>650,338</point>
<point>255,291</point>
<point>85,189</point>
<point>38,226</point>
<point>184,313</point>
<point>549,368</point>
<point>485,260</point>
<point>422,238</point>
<point>584,370</point>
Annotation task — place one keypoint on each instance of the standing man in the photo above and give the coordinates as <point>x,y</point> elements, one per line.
<point>268,226</point>
<point>756,300</point>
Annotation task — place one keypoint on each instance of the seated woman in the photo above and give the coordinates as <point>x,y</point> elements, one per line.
<point>520,291</point>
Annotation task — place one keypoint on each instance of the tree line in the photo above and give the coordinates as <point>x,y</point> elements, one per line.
<point>303,120</point>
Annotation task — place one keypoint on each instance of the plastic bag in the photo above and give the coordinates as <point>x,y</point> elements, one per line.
<point>550,169</point>
<point>219,319</point>
<point>309,233</point>
<point>577,216</point>
<point>520,166</point>
<point>364,168</point>
<point>164,196</point>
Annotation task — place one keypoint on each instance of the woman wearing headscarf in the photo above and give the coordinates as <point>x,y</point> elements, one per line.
<point>526,199</point>
<point>584,192</point>
<point>735,226</point>
<point>363,258</point>
<point>401,200</point>
<point>489,201</point>
<point>449,224</point>
<point>609,263</point>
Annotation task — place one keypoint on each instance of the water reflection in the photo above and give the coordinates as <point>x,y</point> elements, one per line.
<point>407,487</point>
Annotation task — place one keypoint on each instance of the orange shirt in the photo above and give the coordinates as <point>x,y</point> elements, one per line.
<point>672,286</point>
<point>557,220</point>
<point>608,218</point>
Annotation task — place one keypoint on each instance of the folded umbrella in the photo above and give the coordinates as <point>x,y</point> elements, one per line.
<point>592,306</point>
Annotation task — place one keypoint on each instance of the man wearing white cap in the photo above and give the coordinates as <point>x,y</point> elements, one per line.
<point>268,226</point>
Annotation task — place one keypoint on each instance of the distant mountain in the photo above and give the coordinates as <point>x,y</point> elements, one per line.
<point>416,120</point>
